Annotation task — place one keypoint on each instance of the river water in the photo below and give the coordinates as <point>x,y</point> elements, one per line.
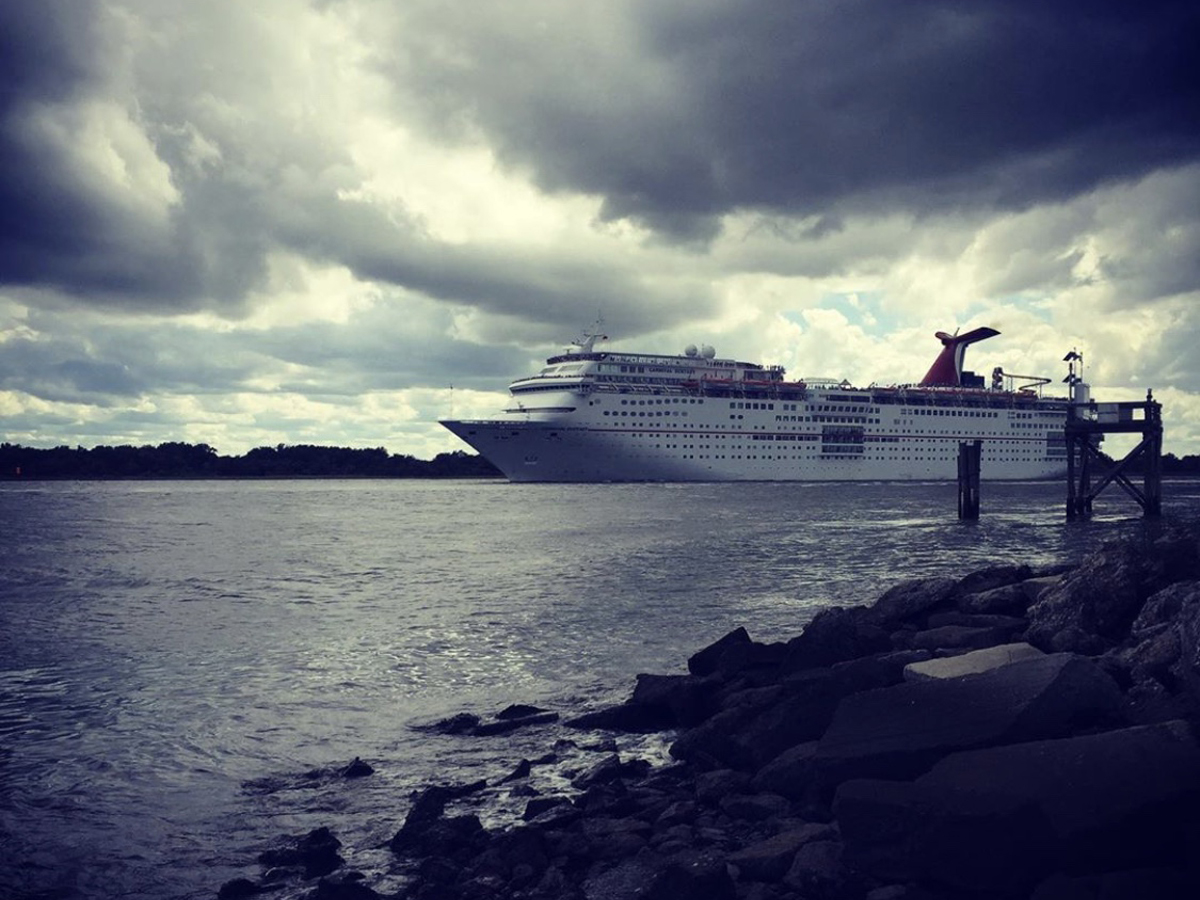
<point>184,664</point>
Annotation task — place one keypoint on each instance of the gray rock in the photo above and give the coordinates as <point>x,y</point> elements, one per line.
<point>1011,599</point>
<point>706,661</point>
<point>898,732</point>
<point>959,636</point>
<point>817,870</point>
<point>834,635</point>
<point>790,774</point>
<point>504,726</point>
<point>715,742</point>
<point>630,718</point>
<point>1135,884</point>
<point>992,578</point>
<point>684,700</point>
<point>911,598</point>
<point>1095,606</point>
<point>712,786</point>
<point>1004,818</point>
<point>770,859</point>
<point>970,663</point>
<point>978,620</point>
<point>697,874</point>
<point>755,807</point>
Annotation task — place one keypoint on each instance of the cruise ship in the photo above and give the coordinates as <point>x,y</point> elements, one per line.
<point>595,415</point>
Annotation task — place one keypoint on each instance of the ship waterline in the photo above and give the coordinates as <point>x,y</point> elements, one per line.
<point>604,416</point>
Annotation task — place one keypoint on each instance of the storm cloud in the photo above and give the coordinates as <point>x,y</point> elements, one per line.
<point>245,212</point>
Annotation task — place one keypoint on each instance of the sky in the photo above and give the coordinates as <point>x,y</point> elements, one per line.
<point>337,221</point>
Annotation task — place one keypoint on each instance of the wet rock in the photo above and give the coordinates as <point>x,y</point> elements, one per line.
<point>237,889</point>
<point>357,769</point>
<point>348,887</point>
<point>313,854</point>
<point>744,658</point>
<point>518,853</point>
<point>519,711</point>
<point>609,769</point>
<point>628,718</point>
<point>706,661</point>
<point>523,770</point>
<point>539,805</point>
<point>504,726</point>
<point>679,700</point>
<point>716,743</point>
<point>423,826</point>
<point>460,723</point>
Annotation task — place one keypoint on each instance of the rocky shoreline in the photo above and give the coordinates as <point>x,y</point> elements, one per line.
<point>1017,732</point>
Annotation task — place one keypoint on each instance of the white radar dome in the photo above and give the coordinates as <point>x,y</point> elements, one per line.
<point>708,351</point>
<point>690,350</point>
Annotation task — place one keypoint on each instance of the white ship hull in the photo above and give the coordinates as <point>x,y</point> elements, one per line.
<point>571,423</point>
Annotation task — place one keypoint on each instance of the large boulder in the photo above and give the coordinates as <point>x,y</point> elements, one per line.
<point>992,578</point>
<point>716,743</point>
<point>707,661</point>
<point>913,598</point>
<point>835,635</point>
<point>1003,818</point>
<point>899,731</point>
<point>770,858</point>
<point>684,700</point>
<point>313,854</point>
<point>1094,607</point>
<point>970,663</point>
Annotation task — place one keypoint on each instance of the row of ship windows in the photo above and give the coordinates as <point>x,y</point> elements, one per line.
<point>656,401</point>
<point>847,454</point>
<point>969,413</point>
<point>1021,450</point>
<point>848,420</point>
<point>656,412</point>
<point>1052,437</point>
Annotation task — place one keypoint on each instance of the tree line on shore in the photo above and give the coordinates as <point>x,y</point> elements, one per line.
<point>174,459</point>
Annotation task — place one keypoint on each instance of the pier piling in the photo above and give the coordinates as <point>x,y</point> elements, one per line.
<point>969,453</point>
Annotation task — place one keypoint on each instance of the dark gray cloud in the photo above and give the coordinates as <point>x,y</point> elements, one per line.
<point>807,107</point>
<point>388,346</point>
<point>672,113</point>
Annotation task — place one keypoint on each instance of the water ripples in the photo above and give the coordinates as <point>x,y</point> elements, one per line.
<point>175,657</point>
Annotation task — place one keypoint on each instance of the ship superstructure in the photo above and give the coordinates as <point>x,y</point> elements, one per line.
<point>598,415</point>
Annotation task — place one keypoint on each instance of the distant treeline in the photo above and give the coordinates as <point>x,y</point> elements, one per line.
<point>178,460</point>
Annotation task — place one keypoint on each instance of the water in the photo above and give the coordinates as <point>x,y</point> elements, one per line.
<point>183,664</point>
